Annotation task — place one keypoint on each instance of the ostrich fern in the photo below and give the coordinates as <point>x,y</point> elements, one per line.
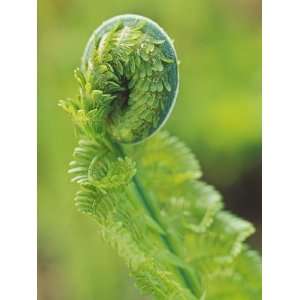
<point>146,193</point>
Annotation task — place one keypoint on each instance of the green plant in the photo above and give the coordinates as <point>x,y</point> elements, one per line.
<point>145,193</point>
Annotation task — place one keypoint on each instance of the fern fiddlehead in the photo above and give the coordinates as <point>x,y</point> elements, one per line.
<point>127,58</point>
<point>145,193</point>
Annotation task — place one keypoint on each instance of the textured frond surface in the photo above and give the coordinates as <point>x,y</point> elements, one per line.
<point>210,238</point>
<point>108,194</point>
<point>208,241</point>
<point>149,200</point>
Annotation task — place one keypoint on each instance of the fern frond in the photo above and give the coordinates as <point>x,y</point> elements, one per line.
<point>148,199</point>
<point>108,194</point>
<point>211,238</point>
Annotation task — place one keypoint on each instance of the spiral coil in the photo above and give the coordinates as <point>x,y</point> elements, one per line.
<point>128,79</point>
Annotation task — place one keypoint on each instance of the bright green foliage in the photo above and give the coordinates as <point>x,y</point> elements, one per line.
<point>123,86</point>
<point>108,194</point>
<point>147,198</point>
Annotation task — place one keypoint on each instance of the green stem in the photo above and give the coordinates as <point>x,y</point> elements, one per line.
<point>187,276</point>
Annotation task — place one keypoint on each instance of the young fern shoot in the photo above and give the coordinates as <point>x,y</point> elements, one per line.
<point>144,189</point>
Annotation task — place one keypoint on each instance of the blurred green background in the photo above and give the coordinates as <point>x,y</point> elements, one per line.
<point>218,114</point>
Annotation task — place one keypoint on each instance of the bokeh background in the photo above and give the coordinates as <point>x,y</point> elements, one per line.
<point>218,114</point>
